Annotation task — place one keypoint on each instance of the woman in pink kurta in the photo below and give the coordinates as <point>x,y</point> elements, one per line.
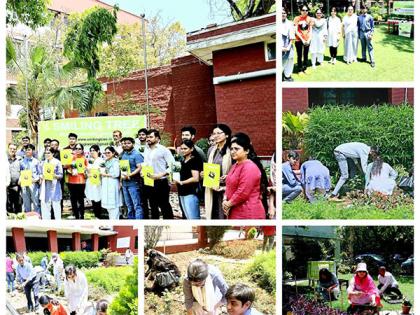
<point>362,289</point>
<point>243,197</point>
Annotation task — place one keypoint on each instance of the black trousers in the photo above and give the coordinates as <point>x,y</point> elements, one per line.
<point>333,52</point>
<point>77,199</point>
<point>390,290</point>
<point>145,198</point>
<point>302,51</point>
<point>14,199</point>
<point>159,199</point>
<point>97,209</point>
<point>32,285</point>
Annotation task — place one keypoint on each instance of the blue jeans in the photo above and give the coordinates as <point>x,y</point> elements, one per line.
<point>290,193</point>
<point>31,195</point>
<point>191,206</point>
<point>133,201</point>
<point>10,277</point>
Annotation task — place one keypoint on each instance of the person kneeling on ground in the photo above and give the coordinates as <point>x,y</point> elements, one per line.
<point>240,298</point>
<point>51,306</point>
<point>204,289</point>
<point>362,290</point>
<point>380,176</point>
<point>162,271</point>
<point>314,177</point>
<point>328,285</point>
<point>387,283</point>
<point>291,185</point>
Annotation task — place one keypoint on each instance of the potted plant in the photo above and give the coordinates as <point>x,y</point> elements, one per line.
<point>406,306</point>
<point>293,127</point>
<point>124,171</point>
<point>102,168</point>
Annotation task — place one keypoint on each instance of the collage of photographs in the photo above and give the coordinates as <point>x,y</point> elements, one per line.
<point>142,146</point>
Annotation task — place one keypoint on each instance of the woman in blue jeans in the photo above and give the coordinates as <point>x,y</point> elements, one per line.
<point>189,181</point>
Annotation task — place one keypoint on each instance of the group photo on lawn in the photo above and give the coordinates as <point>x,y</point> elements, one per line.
<point>348,270</point>
<point>347,40</point>
<point>141,123</point>
<point>348,153</point>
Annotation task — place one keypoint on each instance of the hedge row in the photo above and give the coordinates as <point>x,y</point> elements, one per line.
<point>111,279</point>
<point>263,270</point>
<point>79,259</point>
<point>388,126</point>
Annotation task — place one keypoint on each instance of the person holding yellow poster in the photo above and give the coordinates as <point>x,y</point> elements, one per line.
<point>191,166</point>
<point>77,182</point>
<point>93,182</point>
<point>29,166</point>
<point>110,189</point>
<point>51,193</point>
<point>219,154</point>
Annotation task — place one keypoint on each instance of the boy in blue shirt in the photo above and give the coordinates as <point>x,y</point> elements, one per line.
<point>239,299</point>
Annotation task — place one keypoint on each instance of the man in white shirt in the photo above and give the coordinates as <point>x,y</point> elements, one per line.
<point>161,159</point>
<point>387,283</point>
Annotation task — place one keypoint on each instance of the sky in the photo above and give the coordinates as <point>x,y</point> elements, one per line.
<point>193,14</point>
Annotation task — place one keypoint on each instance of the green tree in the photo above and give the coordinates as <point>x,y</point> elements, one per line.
<point>33,13</point>
<point>244,9</point>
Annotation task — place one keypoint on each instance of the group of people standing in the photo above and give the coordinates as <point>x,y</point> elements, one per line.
<point>351,157</point>
<point>68,278</point>
<point>311,34</point>
<point>117,177</point>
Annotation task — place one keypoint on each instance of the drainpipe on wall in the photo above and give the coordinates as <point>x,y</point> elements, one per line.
<point>405,95</point>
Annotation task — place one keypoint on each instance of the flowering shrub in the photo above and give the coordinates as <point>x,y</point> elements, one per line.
<point>302,305</point>
<point>380,201</point>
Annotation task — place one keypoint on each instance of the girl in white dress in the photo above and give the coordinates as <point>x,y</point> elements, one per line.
<point>350,36</point>
<point>380,176</point>
<point>319,37</point>
<point>334,34</point>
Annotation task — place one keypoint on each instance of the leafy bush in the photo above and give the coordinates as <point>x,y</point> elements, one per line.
<point>263,270</point>
<point>126,302</point>
<point>236,249</point>
<point>111,279</point>
<point>203,144</point>
<point>81,259</point>
<point>37,256</point>
<point>388,126</point>
<point>215,234</point>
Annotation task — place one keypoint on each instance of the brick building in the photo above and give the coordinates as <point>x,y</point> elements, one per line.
<point>301,99</point>
<point>40,238</point>
<point>60,9</point>
<point>228,77</point>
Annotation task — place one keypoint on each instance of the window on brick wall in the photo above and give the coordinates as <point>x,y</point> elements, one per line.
<point>343,96</point>
<point>270,51</point>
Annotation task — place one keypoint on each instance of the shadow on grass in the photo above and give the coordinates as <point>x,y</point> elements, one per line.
<point>400,43</point>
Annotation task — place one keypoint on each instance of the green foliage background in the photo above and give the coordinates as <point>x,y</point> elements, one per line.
<point>126,303</point>
<point>78,259</point>
<point>388,126</point>
<point>262,270</point>
<point>110,279</point>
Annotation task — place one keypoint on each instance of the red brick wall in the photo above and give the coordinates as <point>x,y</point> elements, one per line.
<point>193,96</point>
<point>396,95</point>
<point>249,106</point>
<point>295,100</point>
<point>125,231</point>
<point>241,59</point>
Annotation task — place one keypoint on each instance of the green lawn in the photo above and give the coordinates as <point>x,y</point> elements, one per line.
<point>302,210</point>
<point>394,57</point>
<point>406,285</point>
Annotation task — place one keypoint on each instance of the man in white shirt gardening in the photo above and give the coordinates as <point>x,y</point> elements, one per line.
<point>387,283</point>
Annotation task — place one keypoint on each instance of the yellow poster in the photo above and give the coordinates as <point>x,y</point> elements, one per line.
<point>66,156</point>
<point>211,175</point>
<point>95,177</point>
<point>26,178</point>
<point>80,165</point>
<point>147,171</point>
<point>125,167</point>
<point>48,171</point>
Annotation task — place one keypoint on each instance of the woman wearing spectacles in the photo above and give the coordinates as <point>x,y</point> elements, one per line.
<point>303,30</point>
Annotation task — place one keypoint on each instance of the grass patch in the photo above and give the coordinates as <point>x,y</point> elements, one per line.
<point>394,58</point>
<point>302,210</point>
